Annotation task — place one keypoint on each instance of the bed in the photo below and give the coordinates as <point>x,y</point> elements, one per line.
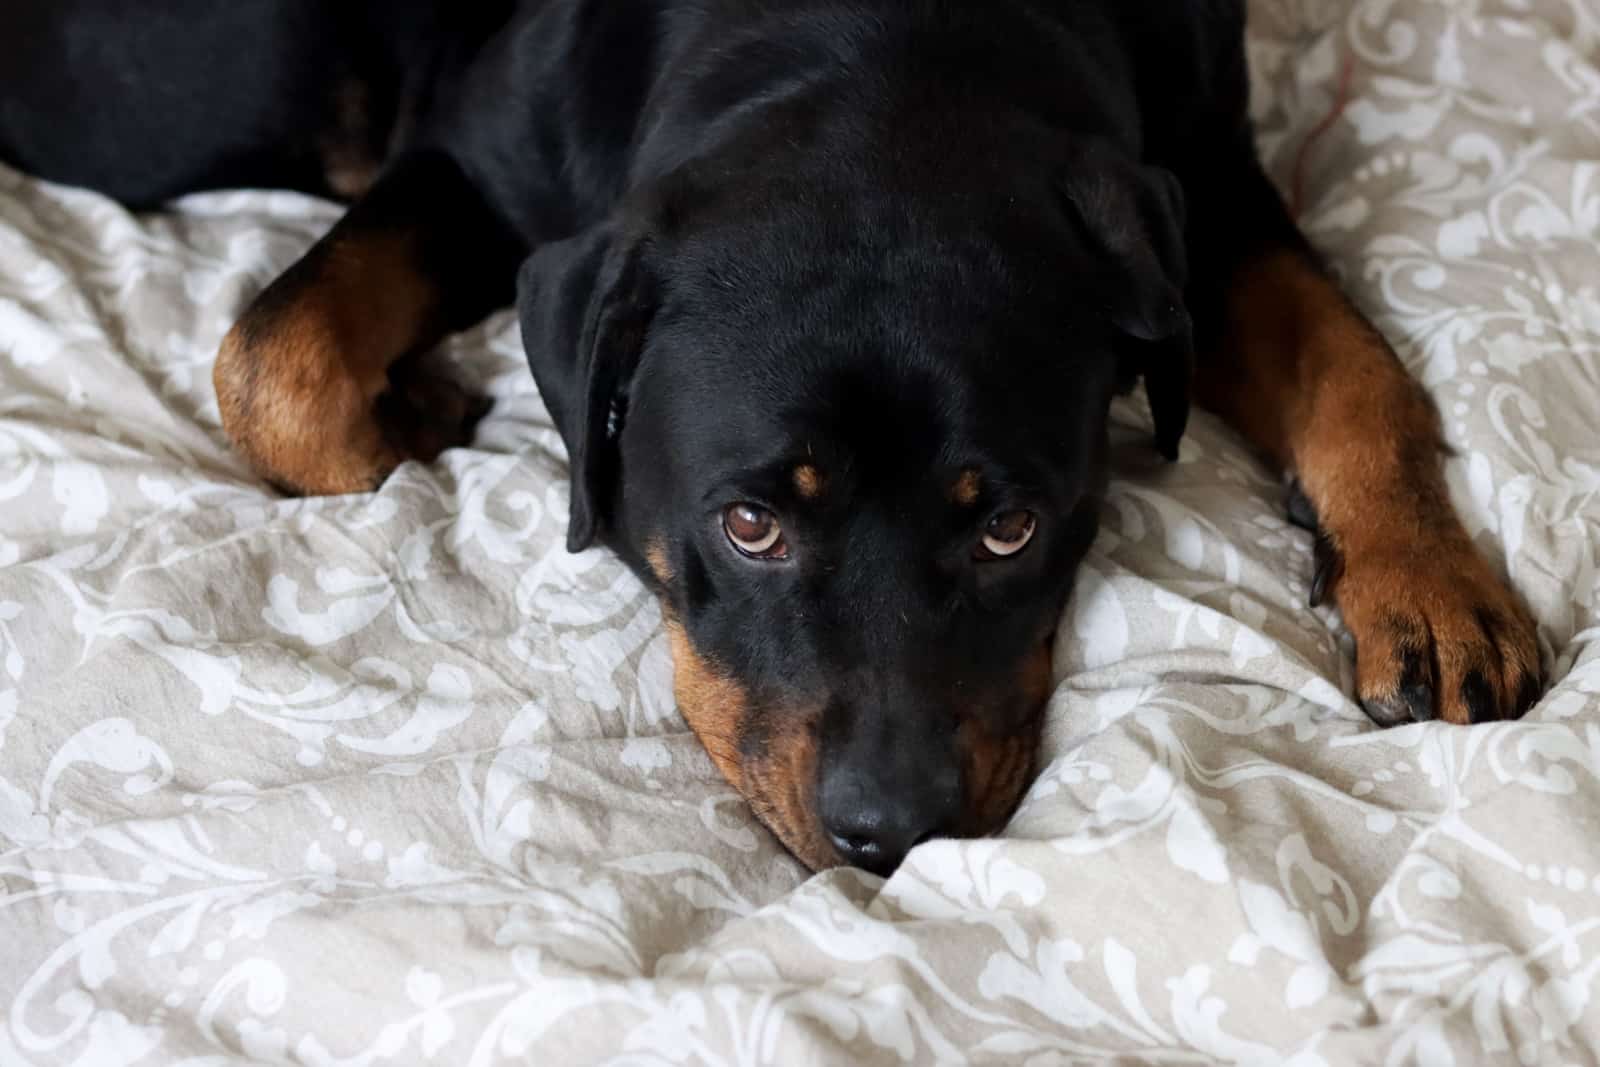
<point>394,778</point>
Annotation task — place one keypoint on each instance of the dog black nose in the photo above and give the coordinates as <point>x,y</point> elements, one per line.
<point>874,829</point>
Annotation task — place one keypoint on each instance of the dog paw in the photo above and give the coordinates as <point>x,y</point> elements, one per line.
<point>1438,634</point>
<point>426,412</point>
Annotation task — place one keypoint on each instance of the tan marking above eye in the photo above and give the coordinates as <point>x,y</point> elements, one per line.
<point>808,481</point>
<point>1009,533</point>
<point>754,531</point>
<point>967,488</point>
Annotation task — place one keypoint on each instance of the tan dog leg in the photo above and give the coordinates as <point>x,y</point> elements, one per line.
<point>300,376</point>
<point>1312,384</point>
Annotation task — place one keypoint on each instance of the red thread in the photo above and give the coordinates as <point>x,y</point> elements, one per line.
<point>1340,102</point>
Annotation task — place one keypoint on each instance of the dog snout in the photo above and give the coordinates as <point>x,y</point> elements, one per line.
<point>874,819</point>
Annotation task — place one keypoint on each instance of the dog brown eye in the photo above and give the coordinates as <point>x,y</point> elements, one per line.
<point>754,531</point>
<point>1007,534</point>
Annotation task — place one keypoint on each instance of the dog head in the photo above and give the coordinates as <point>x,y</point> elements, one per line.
<point>856,443</point>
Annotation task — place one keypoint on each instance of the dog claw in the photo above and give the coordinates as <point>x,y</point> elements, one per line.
<point>1412,702</point>
<point>1326,562</point>
<point>425,411</point>
<point>1301,511</point>
<point>1528,694</point>
<point>1479,699</point>
<point>1387,713</point>
<point>1438,635</point>
<point>1326,566</point>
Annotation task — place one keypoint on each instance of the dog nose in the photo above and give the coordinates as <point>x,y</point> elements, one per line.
<point>874,829</point>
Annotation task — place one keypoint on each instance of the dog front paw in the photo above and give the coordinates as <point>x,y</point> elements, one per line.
<point>1438,634</point>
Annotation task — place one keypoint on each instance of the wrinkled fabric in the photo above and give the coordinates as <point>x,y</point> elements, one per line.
<point>394,778</point>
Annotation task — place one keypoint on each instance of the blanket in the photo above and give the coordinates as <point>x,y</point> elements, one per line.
<point>395,779</point>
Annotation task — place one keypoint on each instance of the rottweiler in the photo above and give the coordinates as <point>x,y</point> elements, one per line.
<point>828,300</point>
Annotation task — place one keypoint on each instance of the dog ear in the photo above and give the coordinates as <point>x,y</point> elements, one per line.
<point>585,305</point>
<point>1134,217</point>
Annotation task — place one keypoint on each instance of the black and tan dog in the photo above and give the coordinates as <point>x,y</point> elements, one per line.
<point>829,299</point>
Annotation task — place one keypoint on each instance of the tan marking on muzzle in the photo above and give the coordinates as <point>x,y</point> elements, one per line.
<point>655,554</point>
<point>713,704</point>
<point>997,766</point>
<point>777,779</point>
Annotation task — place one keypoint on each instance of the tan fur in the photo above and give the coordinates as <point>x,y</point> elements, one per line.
<point>713,704</point>
<point>776,777</point>
<point>777,773</point>
<point>966,489</point>
<point>808,481</point>
<point>297,376</point>
<point>655,555</point>
<point>779,782</point>
<point>1317,389</point>
<point>997,764</point>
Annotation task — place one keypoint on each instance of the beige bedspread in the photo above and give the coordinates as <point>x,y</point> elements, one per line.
<point>395,779</point>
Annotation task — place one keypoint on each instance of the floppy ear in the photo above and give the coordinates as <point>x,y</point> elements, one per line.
<point>1134,216</point>
<point>585,305</point>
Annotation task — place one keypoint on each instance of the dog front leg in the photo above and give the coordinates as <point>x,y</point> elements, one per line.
<point>312,383</point>
<point>1305,378</point>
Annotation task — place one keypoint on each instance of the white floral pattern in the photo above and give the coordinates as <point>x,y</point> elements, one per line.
<point>395,779</point>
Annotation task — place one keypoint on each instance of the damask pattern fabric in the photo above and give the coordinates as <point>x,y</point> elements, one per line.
<point>394,779</point>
